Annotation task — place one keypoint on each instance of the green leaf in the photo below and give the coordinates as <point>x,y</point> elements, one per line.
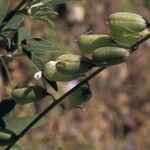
<point>14,22</point>
<point>45,19</point>
<point>39,64</point>
<point>16,147</point>
<point>4,4</point>
<point>42,47</point>
<point>49,13</point>
<point>58,1</point>
<point>24,33</point>
<point>18,124</point>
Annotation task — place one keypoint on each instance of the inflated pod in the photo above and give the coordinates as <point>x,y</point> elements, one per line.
<point>73,64</point>
<point>109,56</point>
<point>80,96</point>
<point>51,72</point>
<point>88,43</point>
<point>129,38</point>
<point>126,22</point>
<point>7,137</point>
<point>28,94</point>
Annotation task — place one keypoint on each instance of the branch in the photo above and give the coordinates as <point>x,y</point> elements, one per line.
<point>51,106</point>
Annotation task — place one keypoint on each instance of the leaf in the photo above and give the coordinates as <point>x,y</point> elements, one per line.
<point>45,19</point>
<point>39,47</point>
<point>18,124</point>
<point>4,4</point>
<point>39,64</point>
<point>58,1</point>
<point>24,33</point>
<point>42,47</point>
<point>47,13</point>
<point>14,22</point>
<point>2,123</point>
<point>16,147</point>
<point>6,106</point>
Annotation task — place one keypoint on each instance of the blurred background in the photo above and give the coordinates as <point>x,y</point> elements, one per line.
<point>117,116</point>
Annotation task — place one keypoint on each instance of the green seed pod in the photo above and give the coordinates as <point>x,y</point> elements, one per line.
<point>73,64</point>
<point>80,96</point>
<point>126,22</point>
<point>129,38</point>
<point>28,94</point>
<point>88,43</point>
<point>7,137</point>
<point>51,72</point>
<point>109,56</point>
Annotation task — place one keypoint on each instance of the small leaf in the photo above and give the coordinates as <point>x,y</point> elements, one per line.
<point>58,1</point>
<point>42,47</point>
<point>14,22</point>
<point>46,13</point>
<point>18,124</point>
<point>24,33</point>
<point>16,147</point>
<point>39,64</point>
<point>2,123</point>
<point>38,47</point>
<point>4,4</point>
<point>45,19</point>
<point>6,106</point>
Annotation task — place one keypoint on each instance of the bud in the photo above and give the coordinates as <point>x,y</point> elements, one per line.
<point>51,73</point>
<point>28,94</point>
<point>109,56</point>
<point>126,22</point>
<point>80,96</point>
<point>73,64</point>
<point>88,43</point>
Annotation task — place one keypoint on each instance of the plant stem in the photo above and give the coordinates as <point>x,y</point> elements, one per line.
<point>51,106</point>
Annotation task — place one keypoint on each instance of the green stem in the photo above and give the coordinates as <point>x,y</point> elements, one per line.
<point>51,106</point>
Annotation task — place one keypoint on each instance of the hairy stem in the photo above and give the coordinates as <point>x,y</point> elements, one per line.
<point>51,106</point>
